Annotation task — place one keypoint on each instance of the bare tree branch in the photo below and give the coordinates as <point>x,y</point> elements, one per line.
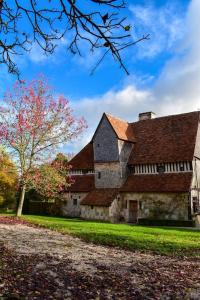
<point>99,23</point>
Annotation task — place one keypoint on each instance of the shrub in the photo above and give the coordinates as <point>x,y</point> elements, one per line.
<point>175,223</point>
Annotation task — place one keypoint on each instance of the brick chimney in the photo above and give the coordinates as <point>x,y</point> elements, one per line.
<point>147,115</point>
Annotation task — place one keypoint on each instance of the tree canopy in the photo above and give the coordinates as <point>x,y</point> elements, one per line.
<point>33,123</point>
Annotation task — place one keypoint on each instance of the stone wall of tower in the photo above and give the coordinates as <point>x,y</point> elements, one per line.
<point>110,157</point>
<point>108,175</point>
<point>105,143</point>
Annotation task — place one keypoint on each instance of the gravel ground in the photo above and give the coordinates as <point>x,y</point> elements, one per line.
<point>38,263</point>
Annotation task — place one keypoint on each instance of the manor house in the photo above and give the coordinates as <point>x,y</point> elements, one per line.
<point>146,169</point>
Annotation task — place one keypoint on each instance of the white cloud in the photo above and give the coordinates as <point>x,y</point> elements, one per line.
<point>164,24</point>
<point>176,90</point>
<point>179,84</point>
<point>37,55</point>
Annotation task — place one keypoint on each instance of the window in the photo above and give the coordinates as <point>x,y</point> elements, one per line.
<point>75,202</point>
<point>99,175</point>
<point>91,206</point>
<point>160,168</point>
<point>98,145</point>
<point>182,167</point>
<point>140,205</point>
<point>131,169</point>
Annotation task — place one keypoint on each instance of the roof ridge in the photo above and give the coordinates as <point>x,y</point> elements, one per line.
<point>168,116</point>
<point>108,114</point>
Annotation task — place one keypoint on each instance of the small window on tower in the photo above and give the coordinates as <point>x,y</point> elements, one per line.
<point>75,202</point>
<point>98,145</point>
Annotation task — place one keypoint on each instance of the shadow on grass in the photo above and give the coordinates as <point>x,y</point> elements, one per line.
<point>115,226</point>
<point>67,219</point>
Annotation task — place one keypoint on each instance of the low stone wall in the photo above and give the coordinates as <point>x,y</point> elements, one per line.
<point>171,206</point>
<point>69,208</point>
<point>95,212</point>
<point>161,206</point>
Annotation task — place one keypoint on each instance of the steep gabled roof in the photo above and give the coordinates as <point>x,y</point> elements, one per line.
<point>174,182</point>
<point>165,139</point>
<point>84,160</point>
<point>82,183</point>
<point>122,128</point>
<point>100,197</point>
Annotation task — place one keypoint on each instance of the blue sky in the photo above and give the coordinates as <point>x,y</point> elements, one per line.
<point>164,71</point>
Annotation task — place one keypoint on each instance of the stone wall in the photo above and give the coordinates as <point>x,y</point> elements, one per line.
<point>95,212</point>
<point>125,149</point>
<point>112,213</point>
<point>108,175</point>
<point>115,210</point>
<point>171,206</point>
<point>195,187</point>
<point>69,207</point>
<point>105,143</point>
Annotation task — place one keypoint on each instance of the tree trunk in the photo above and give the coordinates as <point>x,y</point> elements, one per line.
<point>21,201</point>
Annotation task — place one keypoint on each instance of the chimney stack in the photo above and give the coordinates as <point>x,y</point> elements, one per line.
<point>147,115</point>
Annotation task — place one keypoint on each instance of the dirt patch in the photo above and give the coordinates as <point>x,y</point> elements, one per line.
<point>38,263</point>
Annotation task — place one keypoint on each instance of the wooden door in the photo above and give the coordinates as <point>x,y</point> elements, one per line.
<point>133,211</point>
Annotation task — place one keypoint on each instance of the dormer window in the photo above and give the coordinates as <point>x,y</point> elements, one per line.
<point>182,168</point>
<point>161,169</point>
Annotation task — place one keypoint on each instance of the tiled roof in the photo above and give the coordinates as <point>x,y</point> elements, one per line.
<point>84,159</point>
<point>82,183</point>
<point>165,139</point>
<point>100,197</point>
<point>158,183</point>
<point>122,128</point>
<point>159,140</point>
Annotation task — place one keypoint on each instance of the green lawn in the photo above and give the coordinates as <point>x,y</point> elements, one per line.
<point>161,240</point>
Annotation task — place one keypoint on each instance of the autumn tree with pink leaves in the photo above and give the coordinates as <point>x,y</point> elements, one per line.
<point>33,123</point>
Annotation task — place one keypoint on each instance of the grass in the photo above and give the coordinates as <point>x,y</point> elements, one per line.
<point>160,240</point>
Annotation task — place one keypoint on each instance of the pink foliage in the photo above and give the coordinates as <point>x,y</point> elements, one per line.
<point>30,109</point>
<point>33,123</point>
